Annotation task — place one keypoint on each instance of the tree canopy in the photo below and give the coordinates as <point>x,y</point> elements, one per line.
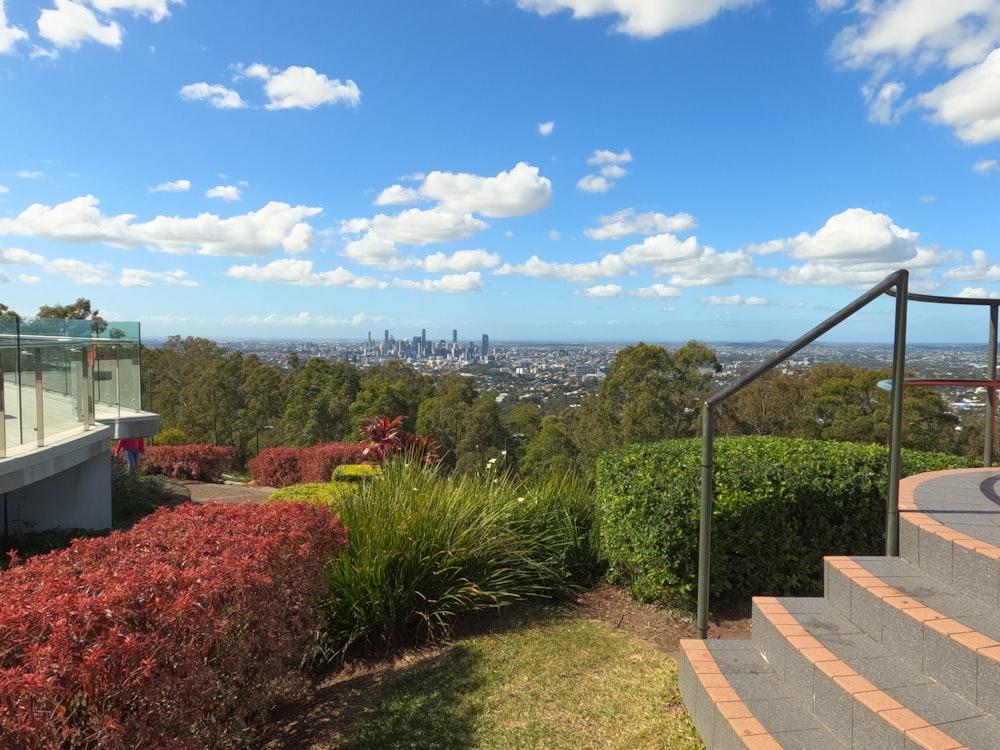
<point>204,393</point>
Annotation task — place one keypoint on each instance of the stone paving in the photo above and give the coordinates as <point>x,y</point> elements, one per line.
<point>204,492</point>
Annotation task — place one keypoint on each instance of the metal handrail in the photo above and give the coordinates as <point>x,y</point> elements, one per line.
<point>991,383</point>
<point>898,281</point>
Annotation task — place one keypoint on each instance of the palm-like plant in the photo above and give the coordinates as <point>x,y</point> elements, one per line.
<point>386,437</point>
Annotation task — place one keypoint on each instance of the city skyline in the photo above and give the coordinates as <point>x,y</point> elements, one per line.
<point>542,170</point>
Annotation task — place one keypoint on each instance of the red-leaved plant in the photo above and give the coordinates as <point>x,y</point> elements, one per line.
<point>385,437</point>
<point>200,462</point>
<point>280,467</point>
<point>174,634</point>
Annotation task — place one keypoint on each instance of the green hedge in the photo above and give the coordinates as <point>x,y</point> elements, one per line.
<point>355,472</point>
<point>781,505</point>
<point>318,493</point>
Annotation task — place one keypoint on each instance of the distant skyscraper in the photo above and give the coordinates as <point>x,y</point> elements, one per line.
<point>423,335</point>
<point>486,344</point>
<point>387,337</point>
<point>454,335</point>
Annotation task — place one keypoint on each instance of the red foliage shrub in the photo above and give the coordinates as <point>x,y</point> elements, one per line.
<point>317,463</point>
<point>280,467</point>
<point>204,463</point>
<point>276,467</point>
<point>175,634</point>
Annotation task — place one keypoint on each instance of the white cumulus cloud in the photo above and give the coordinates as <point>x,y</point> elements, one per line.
<point>518,192</point>
<point>71,24</point>
<point>733,299</point>
<point>593,183</point>
<point>157,10</point>
<point>461,199</point>
<point>611,168</point>
<point>135,277</point>
<point>640,18</point>
<point>970,102</point>
<point>854,248</point>
<point>257,233</point>
<point>226,192</point>
<point>215,95</point>
<point>453,283</point>
<point>986,166</point>
<point>980,270</point>
<point>656,291</point>
<point>297,272</point>
<point>582,273</point>
<point>626,222</point>
<point>300,87</point>
<point>546,128</point>
<point>602,291</point>
<point>9,35</point>
<point>461,261</point>
<point>896,37</point>
<point>397,195</point>
<point>977,293</point>
<point>177,186</point>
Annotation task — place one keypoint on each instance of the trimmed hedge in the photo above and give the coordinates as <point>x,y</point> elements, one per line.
<point>356,472</point>
<point>177,633</point>
<point>318,493</point>
<point>781,505</point>
<point>281,467</point>
<point>203,463</point>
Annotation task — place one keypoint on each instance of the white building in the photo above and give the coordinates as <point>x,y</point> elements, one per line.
<point>68,391</point>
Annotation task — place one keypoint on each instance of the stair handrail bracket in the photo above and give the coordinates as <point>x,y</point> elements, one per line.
<point>895,284</point>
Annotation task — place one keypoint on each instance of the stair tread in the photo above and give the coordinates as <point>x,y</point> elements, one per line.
<point>785,716</point>
<point>934,593</point>
<point>881,672</point>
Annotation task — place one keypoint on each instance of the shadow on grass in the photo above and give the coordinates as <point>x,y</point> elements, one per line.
<point>419,699</point>
<point>428,708</point>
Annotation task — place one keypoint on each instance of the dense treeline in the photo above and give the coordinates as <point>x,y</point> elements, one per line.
<point>205,393</point>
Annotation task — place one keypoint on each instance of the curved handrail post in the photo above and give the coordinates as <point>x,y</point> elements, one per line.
<point>989,438</point>
<point>896,419</point>
<point>897,279</point>
<point>705,520</point>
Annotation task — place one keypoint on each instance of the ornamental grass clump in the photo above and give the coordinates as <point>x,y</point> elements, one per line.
<point>424,548</point>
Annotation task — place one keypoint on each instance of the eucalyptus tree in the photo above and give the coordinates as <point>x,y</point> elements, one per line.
<point>171,375</point>
<point>320,396</point>
<point>391,390</point>
<point>79,310</point>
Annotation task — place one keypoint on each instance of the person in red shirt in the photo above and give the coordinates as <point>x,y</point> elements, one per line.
<point>132,448</point>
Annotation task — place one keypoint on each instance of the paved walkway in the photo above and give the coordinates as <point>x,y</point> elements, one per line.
<point>967,501</point>
<point>204,492</point>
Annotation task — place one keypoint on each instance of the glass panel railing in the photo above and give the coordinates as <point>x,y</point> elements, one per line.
<point>57,374</point>
<point>115,374</point>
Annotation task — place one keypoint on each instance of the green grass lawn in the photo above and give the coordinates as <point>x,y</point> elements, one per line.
<point>551,682</point>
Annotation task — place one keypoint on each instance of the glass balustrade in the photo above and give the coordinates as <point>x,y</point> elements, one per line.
<point>61,376</point>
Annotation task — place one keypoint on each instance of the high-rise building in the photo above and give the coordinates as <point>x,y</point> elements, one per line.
<point>454,335</point>
<point>486,345</point>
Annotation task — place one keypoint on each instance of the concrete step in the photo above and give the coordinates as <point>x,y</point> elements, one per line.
<point>949,529</point>
<point>901,652</point>
<point>737,703</point>
<point>949,636</point>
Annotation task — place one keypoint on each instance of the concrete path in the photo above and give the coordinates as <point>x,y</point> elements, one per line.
<point>203,492</point>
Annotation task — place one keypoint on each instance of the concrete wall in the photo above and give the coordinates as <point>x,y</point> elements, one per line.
<point>64,485</point>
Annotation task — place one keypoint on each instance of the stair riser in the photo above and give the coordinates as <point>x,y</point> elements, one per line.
<point>972,675</point>
<point>857,712</point>
<point>971,566</point>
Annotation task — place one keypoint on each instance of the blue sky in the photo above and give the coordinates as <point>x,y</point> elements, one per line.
<point>605,170</point>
